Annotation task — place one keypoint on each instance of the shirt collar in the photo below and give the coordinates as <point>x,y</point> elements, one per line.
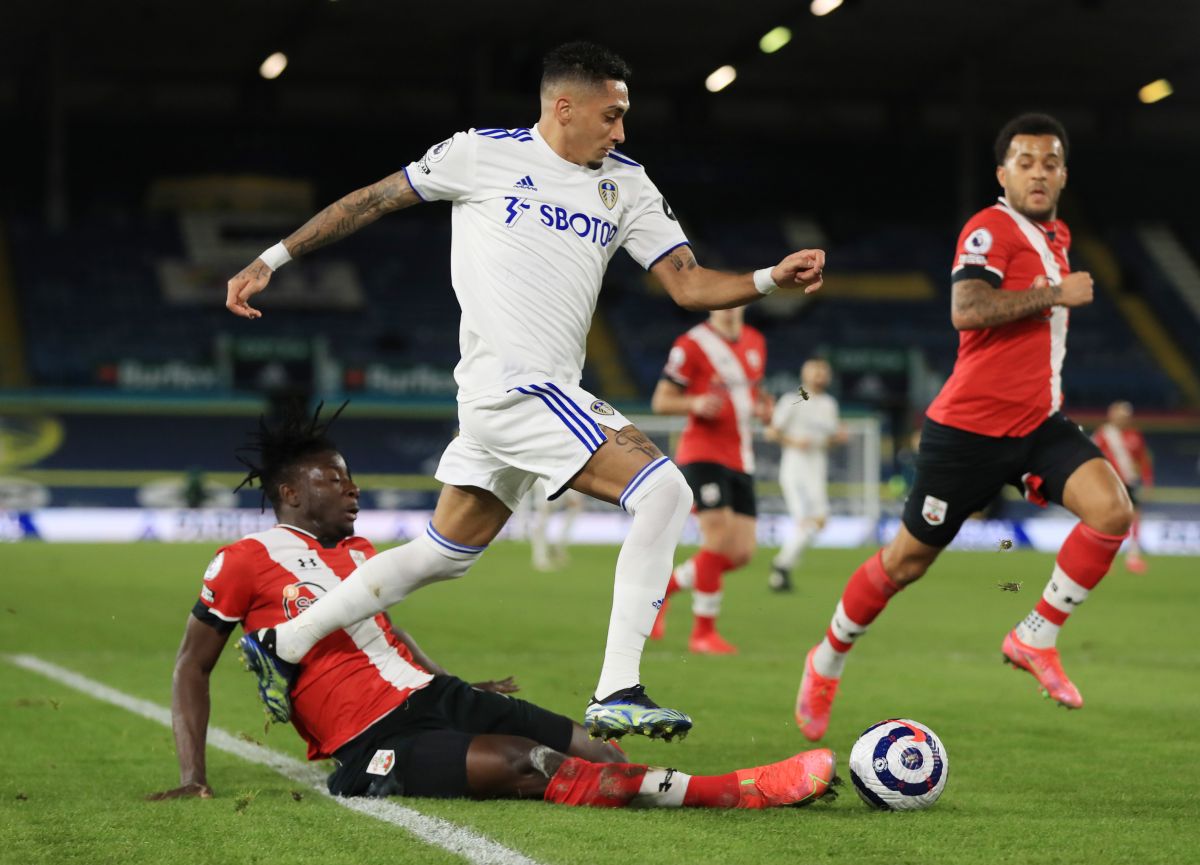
<point>566,164</point>
<point>1047,227</point>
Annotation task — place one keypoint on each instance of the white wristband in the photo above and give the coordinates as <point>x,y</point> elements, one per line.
<point>277,256</point>
<point>763,281</point>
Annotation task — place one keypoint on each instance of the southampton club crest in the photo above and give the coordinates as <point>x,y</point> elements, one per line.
<point>934,511</point>
<point>298,597</point>
<point>608,193</point>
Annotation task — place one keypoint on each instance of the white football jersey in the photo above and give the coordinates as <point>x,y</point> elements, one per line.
<point>815,419</point>
<point>532,235</point>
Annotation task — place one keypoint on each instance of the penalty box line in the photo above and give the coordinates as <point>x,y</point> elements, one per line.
<point>467,843</point>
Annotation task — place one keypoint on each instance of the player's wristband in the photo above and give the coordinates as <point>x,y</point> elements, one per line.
<point>763,281</point>
<point>277,256</point>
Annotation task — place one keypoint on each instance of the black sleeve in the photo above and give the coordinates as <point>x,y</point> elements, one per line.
<point>205,615</point>
<point>977,271</point>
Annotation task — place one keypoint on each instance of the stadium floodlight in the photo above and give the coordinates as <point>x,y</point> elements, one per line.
<point>1155,91</point>
<point>823,7</point>
<point>774,40</point>
<point>720,79</point>
<point>273,66</point>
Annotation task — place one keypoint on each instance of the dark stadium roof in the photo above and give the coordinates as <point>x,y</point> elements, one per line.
<point>867,58</point>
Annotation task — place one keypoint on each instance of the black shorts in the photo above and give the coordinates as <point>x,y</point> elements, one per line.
<point>959,472</point>
<point>420,748</point>
<point>716,486</point>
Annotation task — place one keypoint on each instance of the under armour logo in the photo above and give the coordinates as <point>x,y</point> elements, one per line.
<point>310,562</point>
<point>665,784</point>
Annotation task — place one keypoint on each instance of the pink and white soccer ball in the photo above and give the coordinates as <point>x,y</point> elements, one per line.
<point>899,765</point>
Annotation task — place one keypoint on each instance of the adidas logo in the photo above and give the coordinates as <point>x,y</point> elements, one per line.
<point>525,182</point>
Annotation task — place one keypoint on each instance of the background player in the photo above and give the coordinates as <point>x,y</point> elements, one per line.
<point>537,215</point>
<point>368,696</point>
<point>1125,447</point>
<point>997,420</point>
<point>549,554</point>
<point>712,375</point>
<point>805,424</point>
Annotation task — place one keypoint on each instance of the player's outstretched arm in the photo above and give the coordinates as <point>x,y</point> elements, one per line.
<point>198,654</point>
<point>699,288</point>
<point>342,218</point>
<point>975,304</point>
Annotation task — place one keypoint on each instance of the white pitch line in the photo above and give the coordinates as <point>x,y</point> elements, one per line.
<point>470,845</point>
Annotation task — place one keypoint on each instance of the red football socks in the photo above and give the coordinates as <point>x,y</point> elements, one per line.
<point>615,785</point>
<point>865,596</point>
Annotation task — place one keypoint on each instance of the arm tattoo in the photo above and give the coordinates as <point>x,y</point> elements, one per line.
<point>351,212</point>
<point>977,305</point>
<point>635,442</point>
<point>682,259</point>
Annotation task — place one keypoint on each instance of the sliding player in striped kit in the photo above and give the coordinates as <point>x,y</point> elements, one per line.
<point>712,376</point>
<point>998,420</point>
<point>536,215</point>
<point>394,721</point>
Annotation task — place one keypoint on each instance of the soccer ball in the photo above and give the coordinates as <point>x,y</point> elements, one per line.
<point>899,766</point>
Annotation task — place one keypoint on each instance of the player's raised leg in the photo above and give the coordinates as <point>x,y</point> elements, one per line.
<point>1095,494</point>
<point>629,470</point>
<point>904,560</point>
<point>465,521</point>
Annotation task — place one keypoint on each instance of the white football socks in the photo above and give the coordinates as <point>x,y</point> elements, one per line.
<point>659,499</point>
<point>381,581</point>
<point>661,788</point>
<point>1064,595</point>
<point>1037,631</point>
<point>827,660</point>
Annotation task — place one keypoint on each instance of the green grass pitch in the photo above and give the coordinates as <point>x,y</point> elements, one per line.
<point>1029,782</point>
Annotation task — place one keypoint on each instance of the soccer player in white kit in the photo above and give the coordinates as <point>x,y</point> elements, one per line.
<point>536,215</point>
<point>805,425</point>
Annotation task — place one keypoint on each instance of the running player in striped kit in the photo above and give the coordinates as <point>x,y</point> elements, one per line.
<point>1125,447</point>
<point>536,215</point>
<point>712,375</point>
<point>998,420</point>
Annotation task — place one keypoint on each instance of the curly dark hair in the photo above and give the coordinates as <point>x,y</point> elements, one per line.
<point>585,62</point>
<point>281,447</point>
<point>1029,124</point>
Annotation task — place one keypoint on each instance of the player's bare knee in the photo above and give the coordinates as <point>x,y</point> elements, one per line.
<point>1113,515</point>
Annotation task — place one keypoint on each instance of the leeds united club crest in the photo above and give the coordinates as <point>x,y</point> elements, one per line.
<point>608,193</point>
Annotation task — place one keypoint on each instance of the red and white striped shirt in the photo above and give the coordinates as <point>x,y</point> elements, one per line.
<point>350,679</point>
<point>1126,450</point>
<point>702,361</point>
<point>1008,379</point>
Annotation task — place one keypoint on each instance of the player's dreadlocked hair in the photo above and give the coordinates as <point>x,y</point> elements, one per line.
<point>585,62</point>
<point>279,448</point>
<point>1029,124</point>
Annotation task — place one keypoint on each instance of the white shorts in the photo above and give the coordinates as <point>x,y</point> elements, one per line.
<point>805,488</point>
<point>510,439</point>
